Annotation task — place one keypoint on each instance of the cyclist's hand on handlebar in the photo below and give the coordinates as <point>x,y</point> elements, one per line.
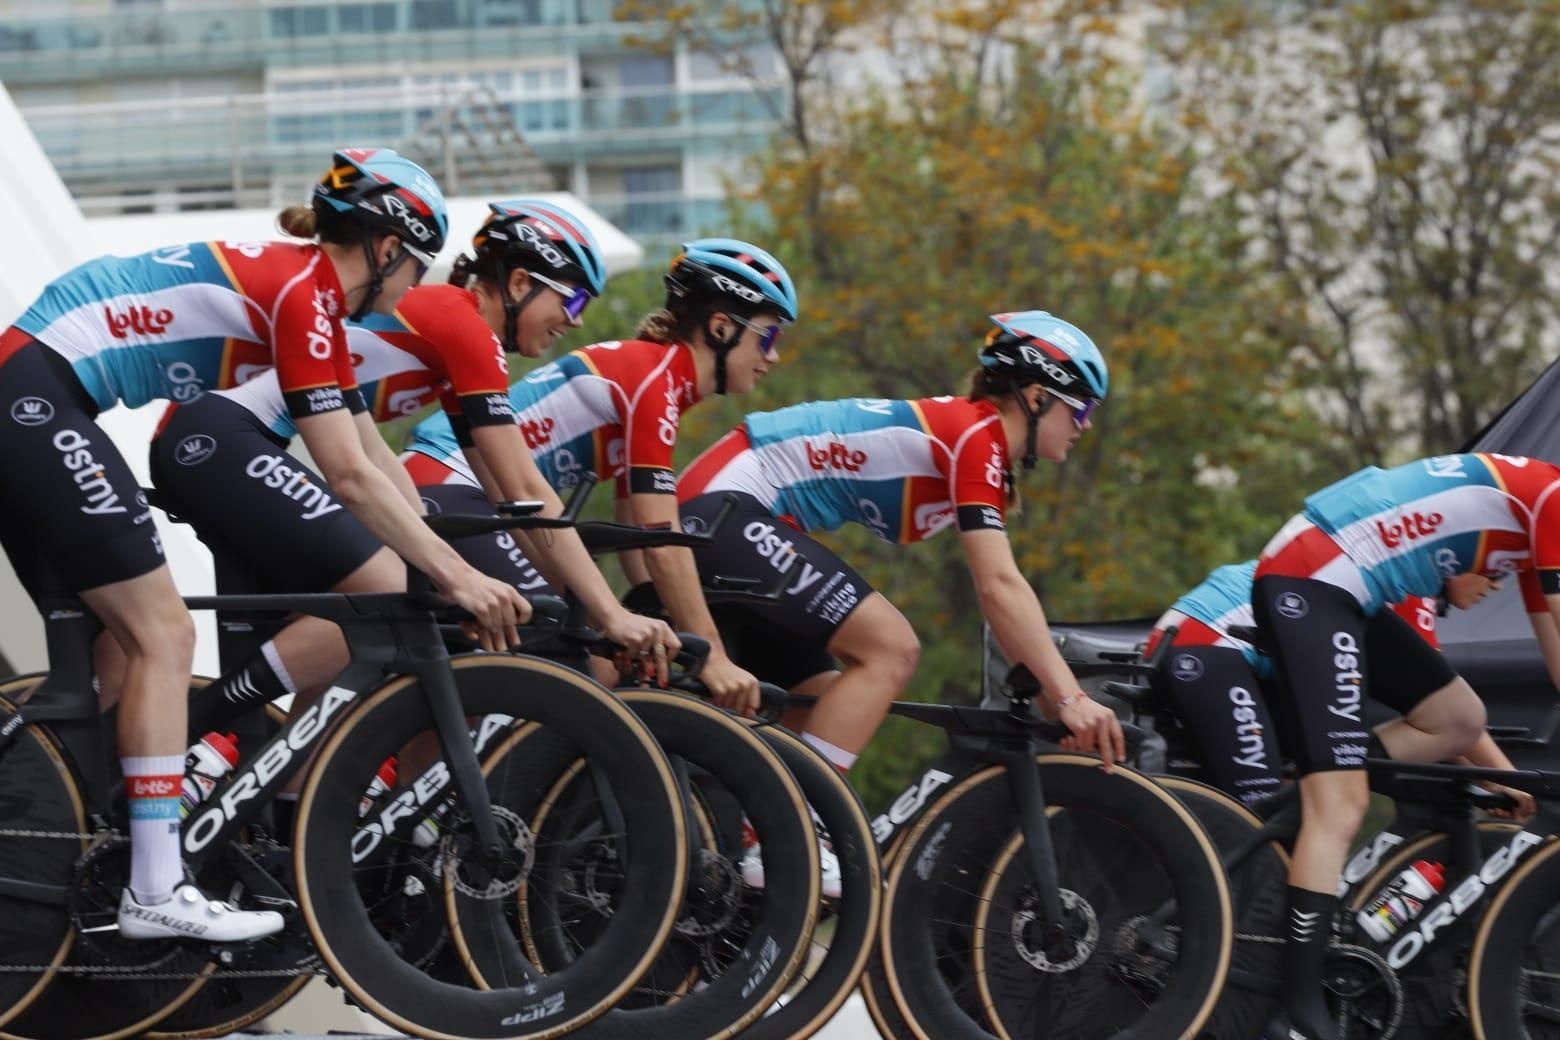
<point>496,608</point>
<point>649,639</point>
<point>1522,811</point>
<point>731,687</point>
<point>1094,728</point>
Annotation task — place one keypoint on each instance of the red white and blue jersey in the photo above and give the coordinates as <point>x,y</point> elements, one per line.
<point>612,409</point>
<point>179,321</point>
<point>1385,535</point>
<point>903,469</point>
<point>435,347</point>
<point>1204,614</point>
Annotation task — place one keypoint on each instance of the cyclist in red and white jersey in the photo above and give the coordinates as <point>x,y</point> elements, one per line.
<point>223,463</point>
<point>905,470</point>
<point>615,408</point>
<point>1216,684</point>
<point>169,324</point>
<point>1371,539</point>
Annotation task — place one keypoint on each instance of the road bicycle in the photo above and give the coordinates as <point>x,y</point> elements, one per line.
<point>63,861</point>
<point>1383,979</point>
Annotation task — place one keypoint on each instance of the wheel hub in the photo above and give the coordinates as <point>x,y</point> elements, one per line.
<point>478,878</point>
<point>1056,948</point>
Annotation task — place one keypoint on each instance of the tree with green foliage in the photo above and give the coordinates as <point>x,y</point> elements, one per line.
<point>1012,165</point>
<point>1399,168</point>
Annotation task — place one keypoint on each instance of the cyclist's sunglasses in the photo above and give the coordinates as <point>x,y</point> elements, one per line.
<point>422,259</point>
<point>574,299</point>
<point>768,335</point>
<point>1082,408</point>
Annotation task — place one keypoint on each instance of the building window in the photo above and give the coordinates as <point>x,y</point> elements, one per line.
<point>644,72</point>
<point>367,18</point>
<point>436,14</point>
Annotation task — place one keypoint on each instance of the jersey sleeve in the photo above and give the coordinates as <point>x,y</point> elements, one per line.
<point>977,479</point>
<point>1545,537</point>
<point>471,356</point>
<point>313,364</point>
<point>650,426</point>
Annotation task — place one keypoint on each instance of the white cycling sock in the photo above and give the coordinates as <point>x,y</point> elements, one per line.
<point>154,784</point>
<point>838,756</point>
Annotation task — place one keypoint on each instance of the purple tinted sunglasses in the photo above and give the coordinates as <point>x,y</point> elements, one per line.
<point>768,335</point>
<point>574,299</point>
<point>1082,408</point>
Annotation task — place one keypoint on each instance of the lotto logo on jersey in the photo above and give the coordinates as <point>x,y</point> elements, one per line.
<point>834,455</point>
<point>537,432</point>
<point>143,321</point>
<point>1411,527</point>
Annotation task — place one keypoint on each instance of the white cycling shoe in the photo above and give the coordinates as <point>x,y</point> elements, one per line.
<point>191,914</point>
<point>752,867</point>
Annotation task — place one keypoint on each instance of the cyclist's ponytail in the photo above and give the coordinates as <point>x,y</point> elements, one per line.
<point>298,221</point>
<point>659,326</point>
<point>461,271</point>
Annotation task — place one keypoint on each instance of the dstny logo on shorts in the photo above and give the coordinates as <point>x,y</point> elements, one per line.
<point>294,482</point>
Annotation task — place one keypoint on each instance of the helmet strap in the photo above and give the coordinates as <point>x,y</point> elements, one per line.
<point>513,307</point>
<point>722,347</point>
<point>376,281</point>
<point>1031,421</point>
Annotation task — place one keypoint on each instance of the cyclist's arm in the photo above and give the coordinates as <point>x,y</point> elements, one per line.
<point>495,494</point>
<point>337,447</point>
<point>633,560</point>
<point>1018,623</point>
<point>672,569</point>
<point>1546,629</point>
<point>514,474</point>
<point>380,455</point>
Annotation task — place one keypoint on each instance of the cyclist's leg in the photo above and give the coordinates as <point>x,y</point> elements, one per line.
<point>1217,697</point>
<point>498,555</point>
<point>880,651</point>
<point>250,495</point>
<point>1442,717</point>
<point>1316,633</point>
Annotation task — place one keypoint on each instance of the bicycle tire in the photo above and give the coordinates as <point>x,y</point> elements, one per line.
<point>1257,895</point>
<point>38,792</point>
<point>75,1006</point>
<point>1433,986</point>
<point>856,913</point>
<point>1514,968</point>
<point>608,734</point>
<point>874,987</point>
<point>766,937</point>
<point>966,845</point>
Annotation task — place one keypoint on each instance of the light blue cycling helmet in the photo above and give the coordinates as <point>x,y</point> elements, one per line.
<point>1059,354</point>
<point>1025,347</point>
<point>538,237</point>
<point>370,191</point>
<point>542,237</point>
<point>730,274</point>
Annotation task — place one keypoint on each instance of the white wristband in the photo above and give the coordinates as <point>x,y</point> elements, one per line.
<point>1069,701</point>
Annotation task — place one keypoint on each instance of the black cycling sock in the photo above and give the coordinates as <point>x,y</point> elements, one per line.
<point>1310,926</point>
<point>253,682</point>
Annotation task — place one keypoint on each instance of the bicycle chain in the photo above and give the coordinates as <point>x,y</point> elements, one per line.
<point>108,972</point>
